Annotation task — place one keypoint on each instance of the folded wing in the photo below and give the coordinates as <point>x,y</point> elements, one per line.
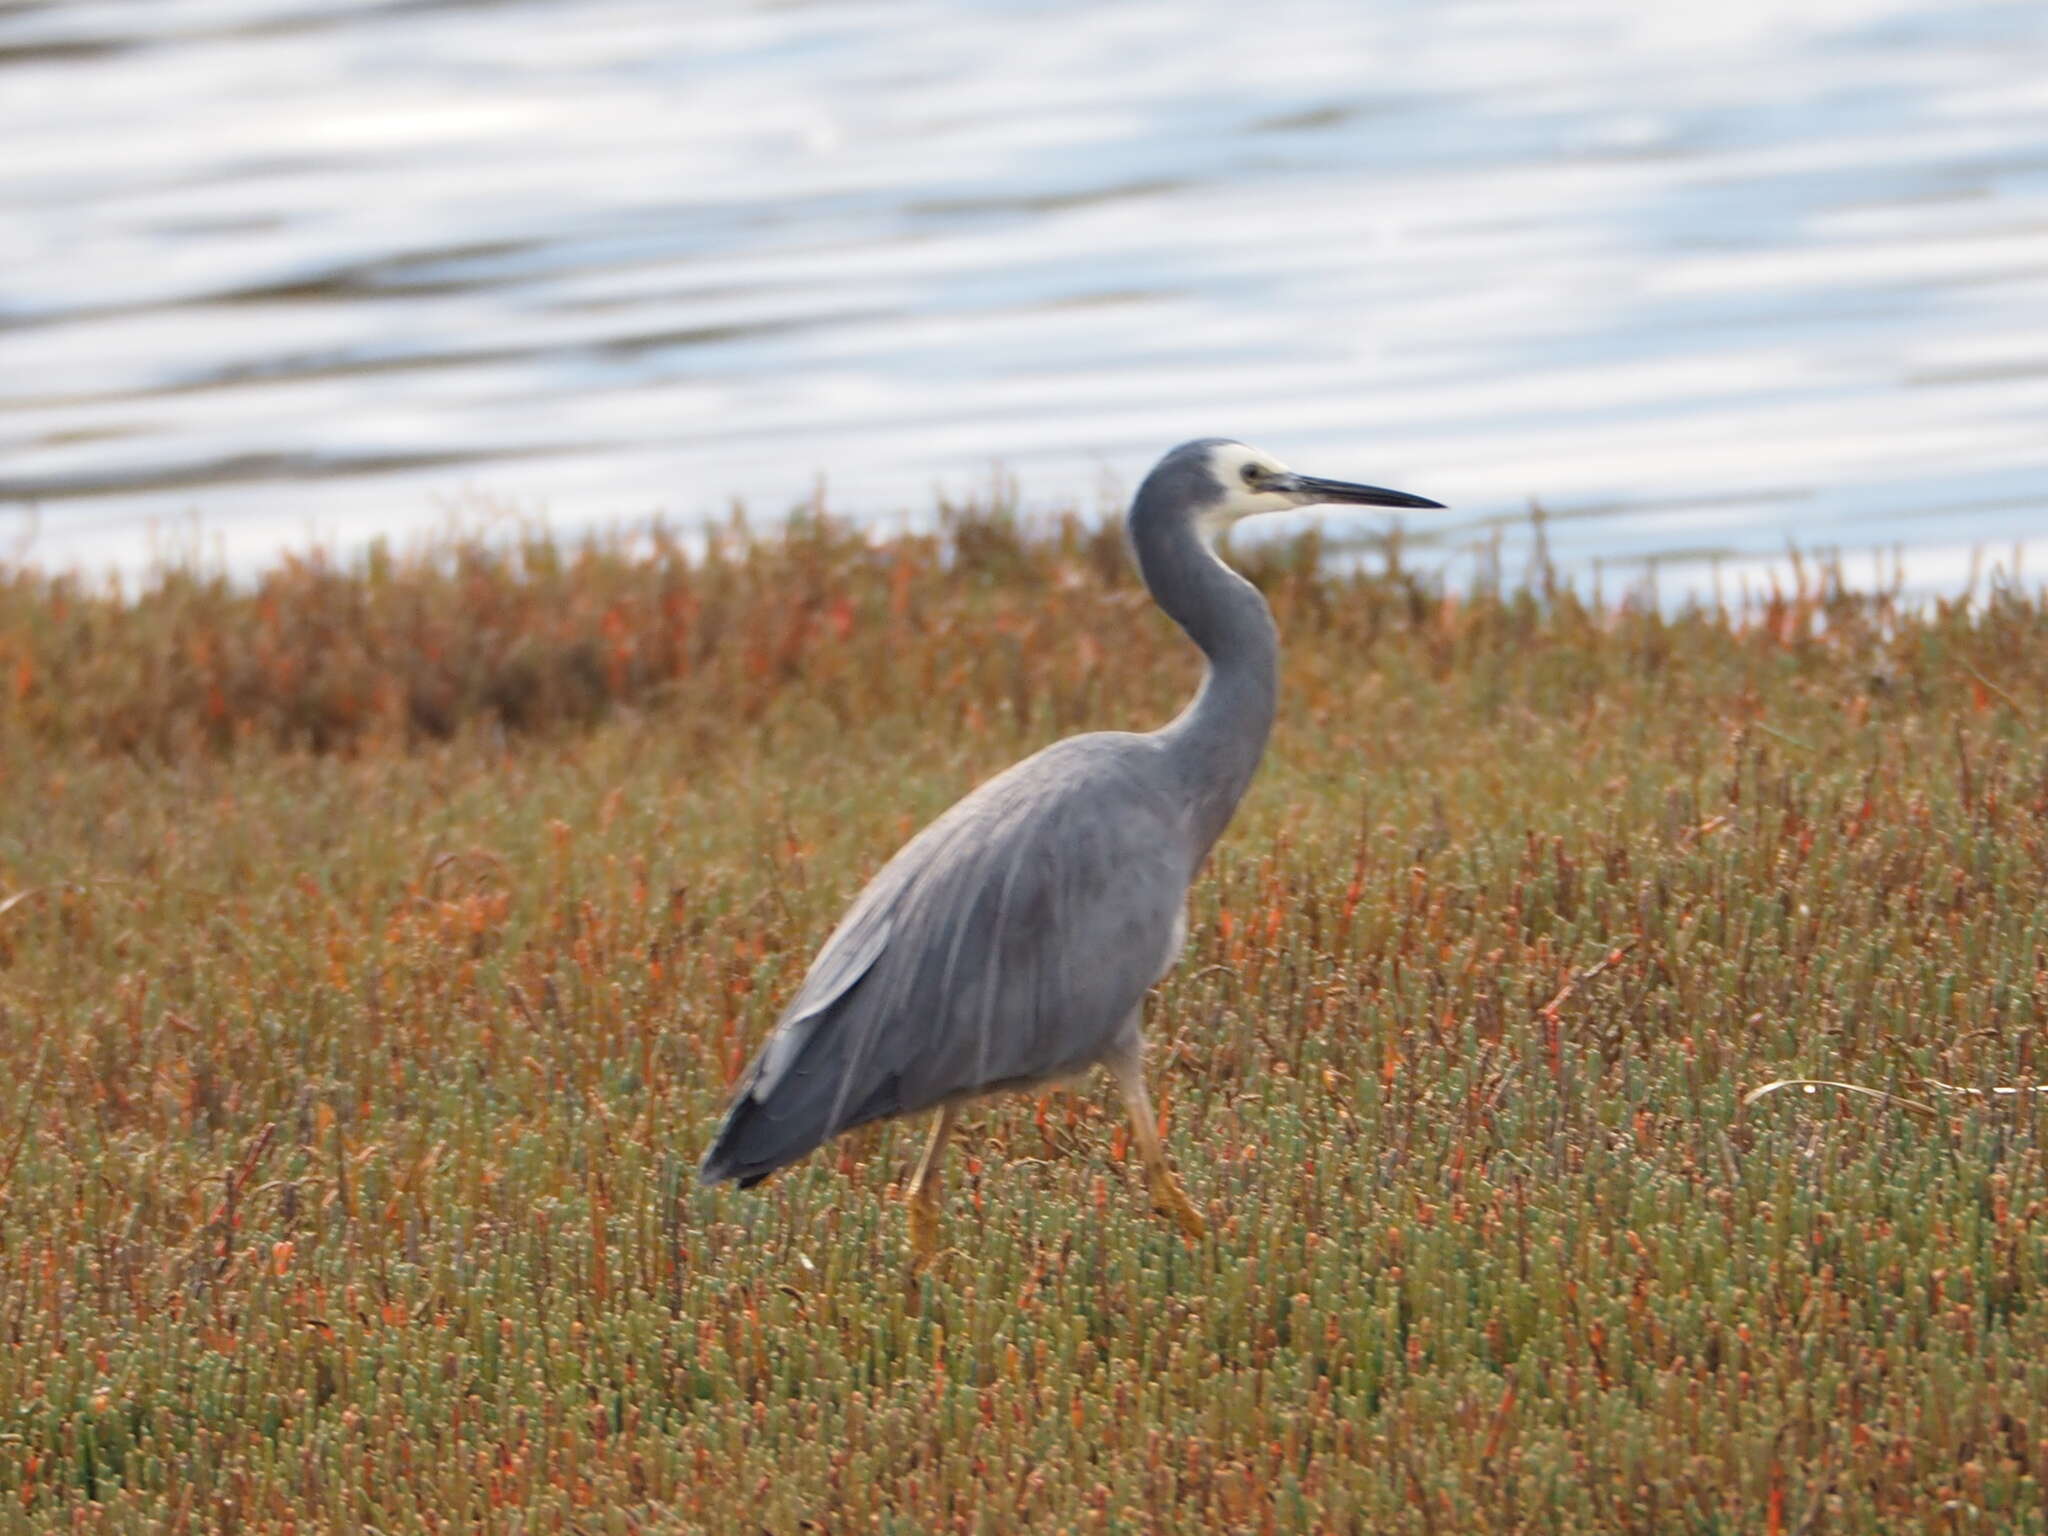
<point>1006,944</point>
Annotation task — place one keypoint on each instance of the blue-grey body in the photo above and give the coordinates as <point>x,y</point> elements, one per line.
<point>1012,942</point>
<point>933,986</point>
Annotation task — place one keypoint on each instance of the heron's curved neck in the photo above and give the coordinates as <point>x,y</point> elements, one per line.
<point>1218,739</point>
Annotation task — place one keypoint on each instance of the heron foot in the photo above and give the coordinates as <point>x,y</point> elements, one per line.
<point>1171,1201</point>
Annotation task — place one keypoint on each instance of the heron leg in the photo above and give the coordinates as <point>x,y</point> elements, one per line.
<point>1168,1199</point>
<point>924,1191</point>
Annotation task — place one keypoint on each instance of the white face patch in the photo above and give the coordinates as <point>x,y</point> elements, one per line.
<point>1242,496</point>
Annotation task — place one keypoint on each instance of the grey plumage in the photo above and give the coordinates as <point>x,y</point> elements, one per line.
<point>936,982</point>
<point>1012,942</point>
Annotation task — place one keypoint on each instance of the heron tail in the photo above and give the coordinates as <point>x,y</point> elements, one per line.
<point>759,1136</point>
<point>751,1144</point>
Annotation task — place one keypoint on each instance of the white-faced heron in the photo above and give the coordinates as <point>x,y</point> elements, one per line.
<point>1011,943</point>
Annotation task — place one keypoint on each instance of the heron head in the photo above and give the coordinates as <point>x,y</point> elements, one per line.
<point>1240,481</point>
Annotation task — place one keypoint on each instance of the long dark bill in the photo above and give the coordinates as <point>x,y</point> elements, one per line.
<point>1345,493</point>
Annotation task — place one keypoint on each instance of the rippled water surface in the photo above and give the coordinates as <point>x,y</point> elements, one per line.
<point>1702,278</point>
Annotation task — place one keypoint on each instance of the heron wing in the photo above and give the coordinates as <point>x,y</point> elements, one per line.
<point>1007,943</point>
<point>854,946</point>
<point>1033,931</point>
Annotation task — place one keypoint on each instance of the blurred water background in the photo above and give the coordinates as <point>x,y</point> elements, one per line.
<point>1705,279</point>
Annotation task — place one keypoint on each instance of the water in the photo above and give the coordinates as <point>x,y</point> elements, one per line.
<point>1702,278</point>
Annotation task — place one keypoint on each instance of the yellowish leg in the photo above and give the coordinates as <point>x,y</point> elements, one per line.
<point>1167,1197</point>
<point>924,1192</point>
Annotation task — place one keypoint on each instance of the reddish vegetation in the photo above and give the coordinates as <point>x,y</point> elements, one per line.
<point>376,946</point>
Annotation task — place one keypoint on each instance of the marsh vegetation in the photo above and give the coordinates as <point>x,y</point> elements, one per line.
<point>378,941</point>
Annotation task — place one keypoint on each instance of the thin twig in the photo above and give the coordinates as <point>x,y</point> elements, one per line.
<point>20,896</point>
<point>14,1152</point>
<point>1992,688</point>
<point>1984,1093</point>
<point>1789,740</point>
<point>1574,982</point>
<point>1815,1084</point>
